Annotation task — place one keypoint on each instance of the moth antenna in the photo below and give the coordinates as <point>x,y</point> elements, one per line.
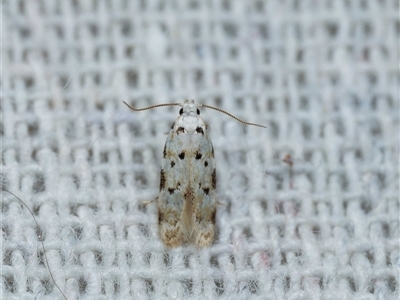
<point>153,106</point>
<point>232,116</point>
<point>41,240</point>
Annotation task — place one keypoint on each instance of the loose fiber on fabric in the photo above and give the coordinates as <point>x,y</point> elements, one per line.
<point>308,207</point>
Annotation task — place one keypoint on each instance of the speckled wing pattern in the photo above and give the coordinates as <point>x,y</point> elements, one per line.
<point>187,199</point>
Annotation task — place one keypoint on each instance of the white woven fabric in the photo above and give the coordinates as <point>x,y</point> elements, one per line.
<point>321,75</point>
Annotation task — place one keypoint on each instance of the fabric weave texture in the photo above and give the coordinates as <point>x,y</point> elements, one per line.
<point>308,207</point>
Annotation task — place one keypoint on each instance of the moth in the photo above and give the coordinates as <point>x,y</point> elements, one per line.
<point>187,199</point>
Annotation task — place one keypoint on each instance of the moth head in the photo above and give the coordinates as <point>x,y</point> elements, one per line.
<point>189,107</point>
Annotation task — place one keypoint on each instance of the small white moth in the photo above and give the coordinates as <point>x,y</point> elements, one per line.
<point>187,200</point>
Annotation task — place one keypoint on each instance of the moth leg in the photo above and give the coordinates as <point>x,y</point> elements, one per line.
<point>149,201</point>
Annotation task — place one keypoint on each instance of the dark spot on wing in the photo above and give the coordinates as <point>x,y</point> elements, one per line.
<point>212,150</point>
<point>198,155</point>
<point>172,164</point>
<point>206,236</point>
<point>214,179</point>
<point>165,150</point>
<point>160,217</point>
<point>206,191</point>
<point>162,180</point>
<point>199,218</point>
<point>206,163</point>
<point>213,216</point>
<point>171,191</point>
<point>180,130</point>
<point>200,130</point>
<point>182,155</point>
<point>181,111</point>
<point>198,111</point>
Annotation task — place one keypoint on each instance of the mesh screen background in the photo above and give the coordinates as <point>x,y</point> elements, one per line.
<point>309,206</point>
